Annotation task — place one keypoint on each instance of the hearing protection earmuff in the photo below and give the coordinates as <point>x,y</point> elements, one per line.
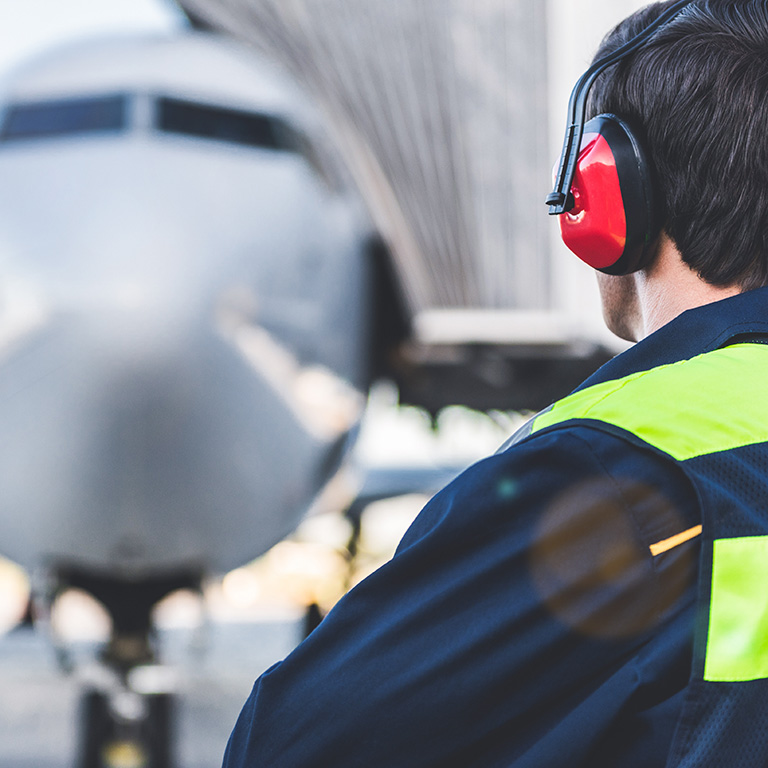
<point>603,190</point>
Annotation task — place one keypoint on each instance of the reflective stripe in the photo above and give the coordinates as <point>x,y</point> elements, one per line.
<point>737,641</point>
<point>675,541</point>
<point>713,402</point>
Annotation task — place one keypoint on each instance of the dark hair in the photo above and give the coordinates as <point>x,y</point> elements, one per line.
<point>697,93</point>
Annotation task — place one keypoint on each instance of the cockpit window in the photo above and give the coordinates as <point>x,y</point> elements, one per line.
<point>64,117</point>
<point>224,124</point>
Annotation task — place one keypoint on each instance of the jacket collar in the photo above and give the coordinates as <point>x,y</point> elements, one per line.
<point>691,333</point>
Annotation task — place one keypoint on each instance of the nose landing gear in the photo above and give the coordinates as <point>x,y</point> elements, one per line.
<point>124,728</point>
<point>127,707</point>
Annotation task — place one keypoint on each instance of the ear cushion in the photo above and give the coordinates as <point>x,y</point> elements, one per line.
<point>614,220</point>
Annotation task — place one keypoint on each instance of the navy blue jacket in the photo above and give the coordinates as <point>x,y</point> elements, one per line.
<point>532,615</point>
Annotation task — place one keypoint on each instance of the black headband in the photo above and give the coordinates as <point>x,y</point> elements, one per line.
<point>560,199</point>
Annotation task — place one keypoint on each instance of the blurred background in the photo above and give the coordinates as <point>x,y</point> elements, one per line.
<point>272,272</point>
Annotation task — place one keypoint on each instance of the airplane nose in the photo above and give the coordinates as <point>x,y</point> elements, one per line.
<point>138,324</point>
<point>137,318</point>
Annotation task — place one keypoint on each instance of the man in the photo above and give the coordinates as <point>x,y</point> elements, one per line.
<point>595,593</point>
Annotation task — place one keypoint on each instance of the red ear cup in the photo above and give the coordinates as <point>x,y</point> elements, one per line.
<point>614,220</point>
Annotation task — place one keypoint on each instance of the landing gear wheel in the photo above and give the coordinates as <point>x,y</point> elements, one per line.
<point>126,730</point>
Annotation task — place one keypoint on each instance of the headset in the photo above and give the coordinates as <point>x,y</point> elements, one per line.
<point>609,215</point>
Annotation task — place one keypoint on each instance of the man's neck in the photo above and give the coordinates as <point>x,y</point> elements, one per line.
<point>671,287</point>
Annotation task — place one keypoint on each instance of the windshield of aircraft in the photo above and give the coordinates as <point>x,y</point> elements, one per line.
<point>65,117</point>
<point>224,124</point>
<point>104,114</point>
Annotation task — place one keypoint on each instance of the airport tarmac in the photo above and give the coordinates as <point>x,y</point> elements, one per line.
<point>38,705</point>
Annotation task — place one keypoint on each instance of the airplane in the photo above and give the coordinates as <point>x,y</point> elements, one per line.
<point>188,283</point>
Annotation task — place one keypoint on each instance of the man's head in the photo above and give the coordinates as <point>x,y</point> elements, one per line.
<point>697,95</point>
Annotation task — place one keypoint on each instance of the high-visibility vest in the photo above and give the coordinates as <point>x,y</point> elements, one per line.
<point>709,414</point>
